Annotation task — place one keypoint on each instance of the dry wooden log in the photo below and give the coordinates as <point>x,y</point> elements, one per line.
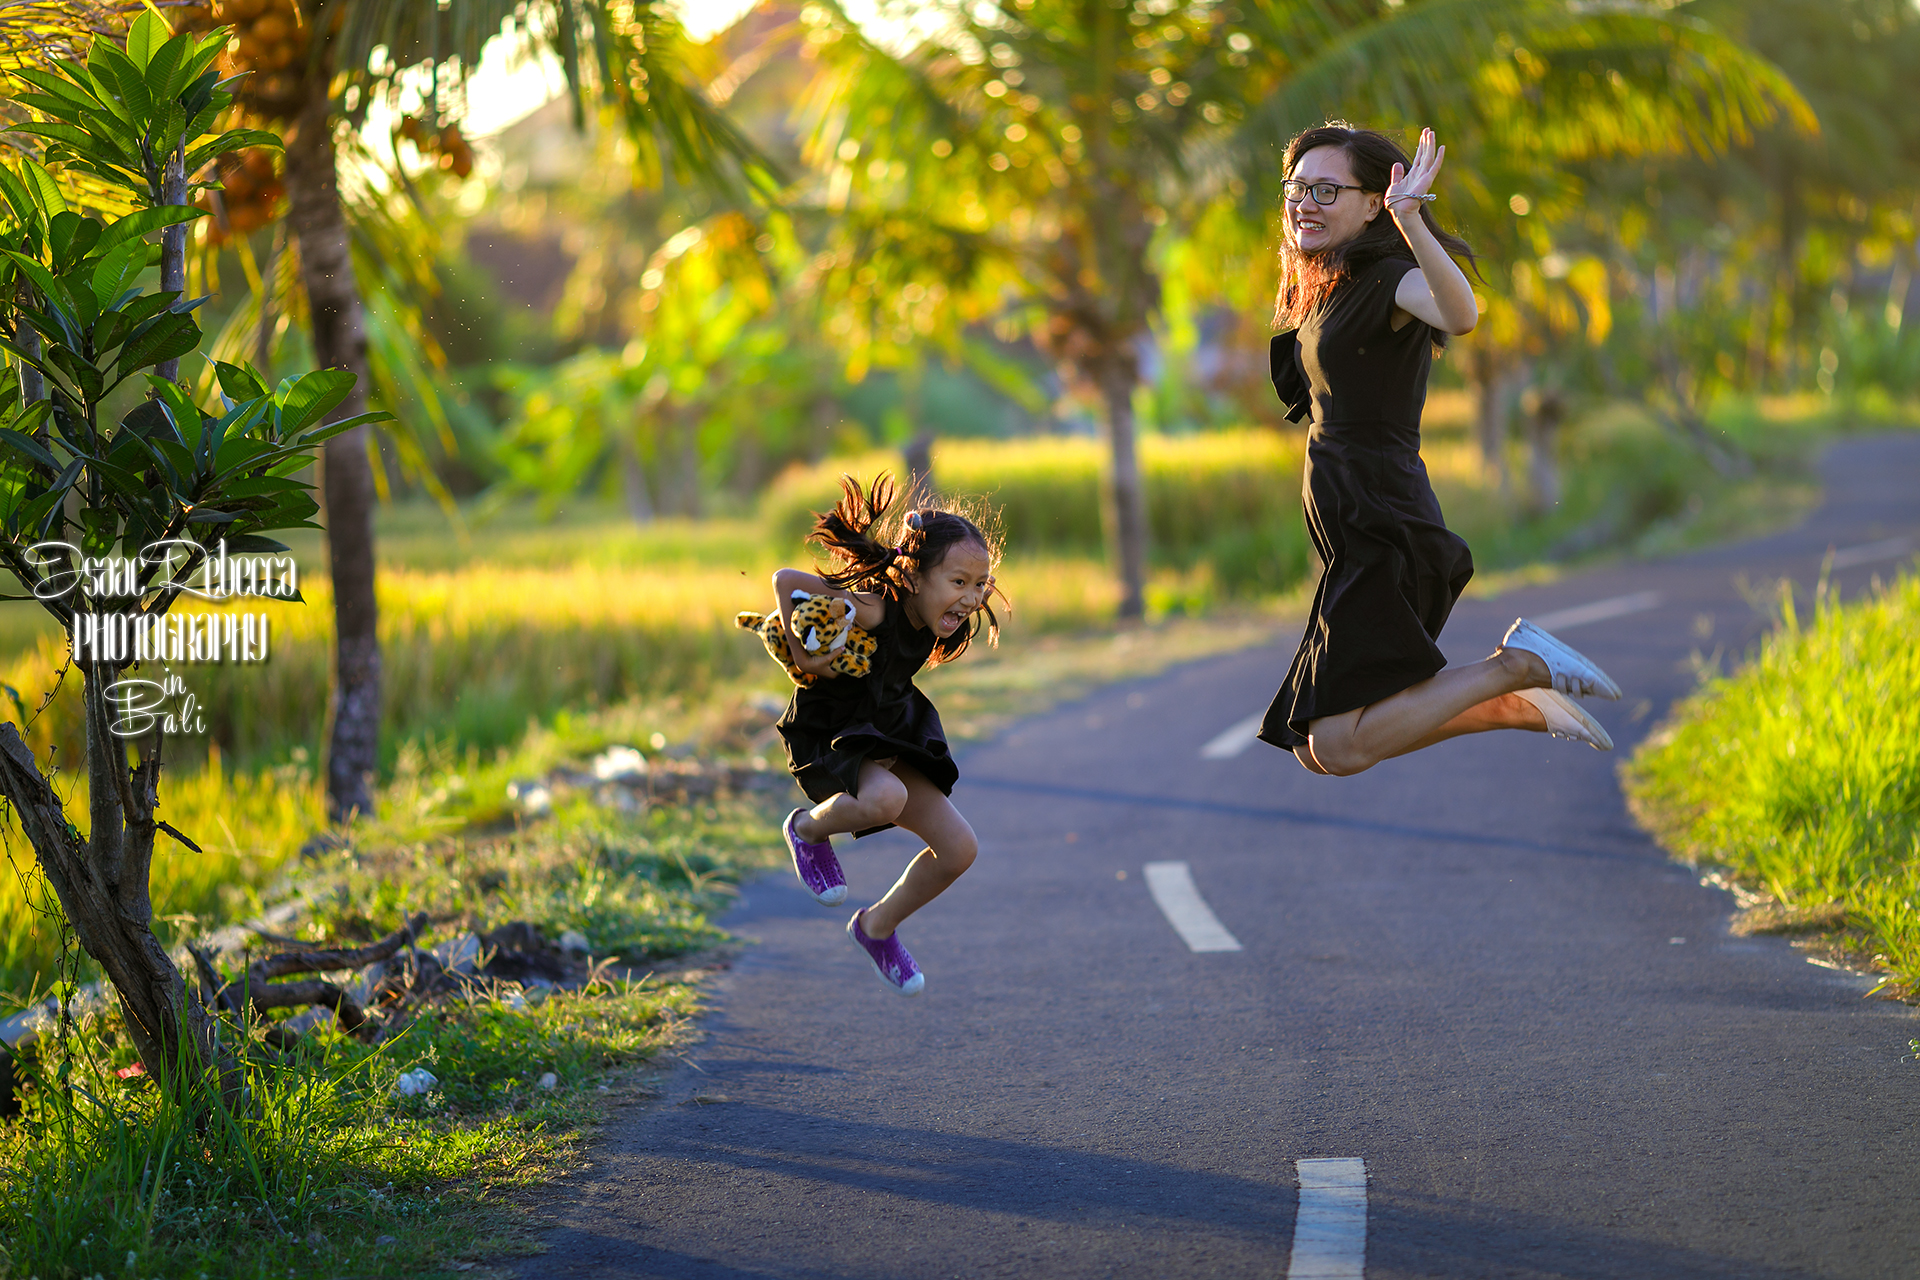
<point>283,995</point>
<point>267,968</point>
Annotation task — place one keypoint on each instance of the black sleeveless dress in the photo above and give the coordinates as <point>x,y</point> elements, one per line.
<point>833,726</point>
<point>1392,569</point>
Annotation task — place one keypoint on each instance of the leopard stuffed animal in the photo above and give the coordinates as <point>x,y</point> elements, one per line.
<point>825,625</point>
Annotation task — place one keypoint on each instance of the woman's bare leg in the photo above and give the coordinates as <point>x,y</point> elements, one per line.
<point>950,850</point>
<point>1463,700</point>
<point>882,796</point>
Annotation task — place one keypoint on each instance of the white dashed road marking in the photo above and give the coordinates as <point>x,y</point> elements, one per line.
<point>1330,1234</point>
<point>1234,740</point>
<point>1599,611</point>
<point>1848,557</point>
<point>1171,885</point>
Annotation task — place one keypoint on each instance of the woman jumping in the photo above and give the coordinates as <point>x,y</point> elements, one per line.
<point>869,751</point>
<point>1368,299</point>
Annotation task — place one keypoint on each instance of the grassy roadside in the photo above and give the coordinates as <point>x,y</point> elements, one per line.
<point>1797,781</point>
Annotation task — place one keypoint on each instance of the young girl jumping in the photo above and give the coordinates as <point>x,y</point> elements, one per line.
<point>869,751</point>
<point>1368,299</point>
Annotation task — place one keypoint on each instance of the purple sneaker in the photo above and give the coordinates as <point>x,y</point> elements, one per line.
<point>818,869</point>
<point>890,960</point>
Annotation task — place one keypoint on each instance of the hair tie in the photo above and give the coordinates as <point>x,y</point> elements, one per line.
<point>913,521</point>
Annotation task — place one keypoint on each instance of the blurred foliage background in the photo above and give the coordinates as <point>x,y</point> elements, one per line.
<point>640,283</point>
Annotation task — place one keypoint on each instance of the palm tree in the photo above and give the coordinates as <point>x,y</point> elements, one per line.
<point>316,67</point>
<point>1057,145</point>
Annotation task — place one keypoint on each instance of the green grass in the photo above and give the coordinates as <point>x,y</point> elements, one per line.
<point>332,1173</point>
<point>1798,777</point>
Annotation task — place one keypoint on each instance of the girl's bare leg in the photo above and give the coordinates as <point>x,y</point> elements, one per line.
<point>1463,700</point>
<point>882,796</point>
<point>950,850</point>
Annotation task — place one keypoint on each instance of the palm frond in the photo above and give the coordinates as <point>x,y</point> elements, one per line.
<point>1664,81</point>
<point>632,56</point>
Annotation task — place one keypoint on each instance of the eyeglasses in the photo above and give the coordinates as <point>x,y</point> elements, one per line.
<point>1324,193</point>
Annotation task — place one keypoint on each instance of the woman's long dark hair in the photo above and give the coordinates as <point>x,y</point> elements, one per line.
<point>1308,279</point>
<point>875,550</point>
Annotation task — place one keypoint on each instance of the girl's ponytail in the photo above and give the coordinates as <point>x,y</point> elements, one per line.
<point>875,553</point>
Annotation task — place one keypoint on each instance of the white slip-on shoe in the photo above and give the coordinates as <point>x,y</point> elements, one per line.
<point>1567,718</point>
<point>1573,672</point>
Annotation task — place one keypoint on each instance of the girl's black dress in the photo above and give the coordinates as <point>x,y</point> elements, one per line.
<point>1392,569</point>
<point>832,726</point>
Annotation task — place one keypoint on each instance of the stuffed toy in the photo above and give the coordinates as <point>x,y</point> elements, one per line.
<point>824,625</point>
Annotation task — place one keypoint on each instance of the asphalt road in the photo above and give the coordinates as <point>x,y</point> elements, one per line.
<point>1466,968</point>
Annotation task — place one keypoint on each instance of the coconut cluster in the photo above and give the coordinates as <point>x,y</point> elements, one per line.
<point>269,41</point>
<point>250,195</point>
<point>456,155</point>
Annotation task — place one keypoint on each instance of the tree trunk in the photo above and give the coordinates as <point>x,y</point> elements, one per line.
<point>1116,375</point>
<point>689,498</point>
<point>919,458</point>
<point>346,474</point>
<point>101,883</point>
<point>633,479</point>
<point>173,247</point>
<point>1493,388</point>
<point>1545,413</point>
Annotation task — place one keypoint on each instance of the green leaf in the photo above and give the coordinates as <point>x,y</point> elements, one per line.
<point>46,192</point>
<point>113,140</point>
<point>75,96</point>
<point>58,131</point>
<point>238,453</point>
<point>91,383</point>
<point>23,204</point>
<point>35,515</point>
<point>232,140</point>
<point>110,331</point>
<point>37,362</point>
<point>300,402</point>
<point>264,486</point>
<point>71,236</point>
<point>118,269</point>
<point>134,93</point>
<point>145,35</point>
<point>27,447</point>
<point>166,73</point>
<point>179,457</point>
<point>166,337</point>
<point>186,415</point>
<point>332,429</point>
<point>238,384</point>
<point>141,221</point>
<point>43,280</point>
<point>253,544</point>
<point>104,64</point>
<point>203,516</point>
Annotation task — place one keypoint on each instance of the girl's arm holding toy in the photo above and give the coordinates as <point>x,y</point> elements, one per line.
<point>869,611</point>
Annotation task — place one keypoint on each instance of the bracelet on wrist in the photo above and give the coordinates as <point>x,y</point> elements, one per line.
<point>1431,195</point>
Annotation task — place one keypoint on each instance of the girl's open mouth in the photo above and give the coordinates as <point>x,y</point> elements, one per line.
<point>952,620</point>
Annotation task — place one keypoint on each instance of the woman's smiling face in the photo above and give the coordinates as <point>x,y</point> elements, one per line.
<point>949,593</point>
<point>1316,227</point>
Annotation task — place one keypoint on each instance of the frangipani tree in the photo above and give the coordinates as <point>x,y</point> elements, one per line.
<point>107,521</point>
<point>1057,145</point>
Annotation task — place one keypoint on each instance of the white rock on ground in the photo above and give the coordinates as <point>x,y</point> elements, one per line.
<point>619,764</point>
<point>574,940</point>
<point>549,1081</point>
<point>412,1084</point>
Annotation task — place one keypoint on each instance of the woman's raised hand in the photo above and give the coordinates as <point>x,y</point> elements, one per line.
<point>1410,187</point>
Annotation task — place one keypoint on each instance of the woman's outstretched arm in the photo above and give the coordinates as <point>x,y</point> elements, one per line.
<point>1437,292</point>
